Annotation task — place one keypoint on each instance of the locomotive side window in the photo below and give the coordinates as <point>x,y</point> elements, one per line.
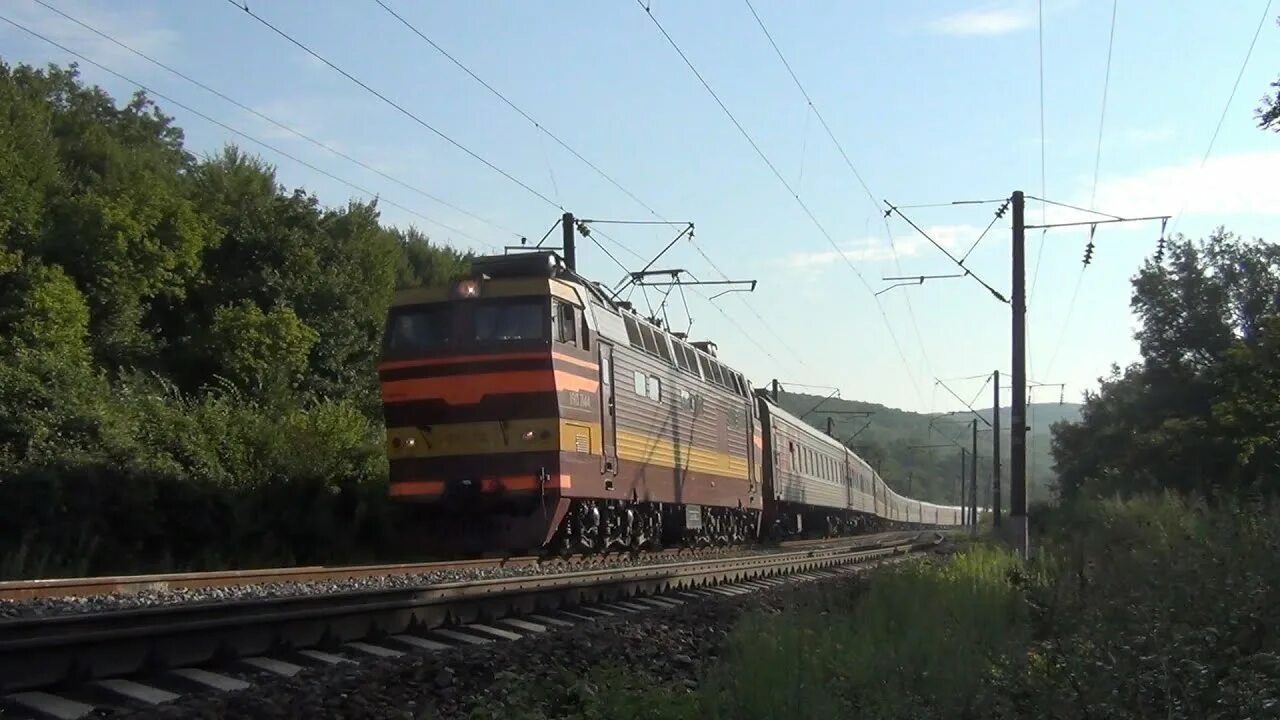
<point>692,358</point>
<point>663,348</point>
<point>565,321</point>
<point>418,328</point>
<point>646,336</point>
<point>633,331</point>
<point>655,389</point>
<point>706,368</point>
<point>689,401</point>
<point>682,360</point>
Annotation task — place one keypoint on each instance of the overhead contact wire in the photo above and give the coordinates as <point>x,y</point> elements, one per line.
<point>240,133</point>
<point>245,7</point>
<point>821,228</point>
<point>571,150</point>
<point>277,123</point>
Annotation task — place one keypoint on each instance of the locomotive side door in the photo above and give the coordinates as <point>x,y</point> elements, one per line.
<point>608,413</point>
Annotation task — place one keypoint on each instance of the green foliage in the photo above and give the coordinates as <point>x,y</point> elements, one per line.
<point>187,349</point>
<point>1152,606</point>
<point>1268,112</point>
<point>1163,608</point>
<point>914,645</point>
<point>257,351</point>
<point>1200,412</point>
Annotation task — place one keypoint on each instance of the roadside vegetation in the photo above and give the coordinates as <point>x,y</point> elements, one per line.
<point>186,347</point>
<point>1164,607</point>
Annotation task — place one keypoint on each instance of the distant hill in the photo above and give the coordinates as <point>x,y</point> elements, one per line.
<point>933,473</point>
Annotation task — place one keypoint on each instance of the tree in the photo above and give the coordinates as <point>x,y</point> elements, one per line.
<point>1269,111</point>
<point>1196,413</point>
<point>265,353</point>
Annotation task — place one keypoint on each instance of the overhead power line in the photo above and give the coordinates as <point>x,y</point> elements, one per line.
<point>1266,13</point>
<point>541,128</point>
<point>572,151</point>
<point>412,116</point>
<point>804,206</point>
<point>893,246</point>
<point>1093,194</point>
<point>283,126</point>
<point>150,91</point>
<point>1035,273</point>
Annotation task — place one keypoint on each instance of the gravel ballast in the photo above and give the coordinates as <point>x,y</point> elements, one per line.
<point>53,606</point>
<point>669,648</point>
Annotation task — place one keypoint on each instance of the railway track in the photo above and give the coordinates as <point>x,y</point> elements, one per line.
<point>20,590</point>
<point>43,659</point>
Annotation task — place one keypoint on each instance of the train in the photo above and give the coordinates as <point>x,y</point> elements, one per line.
<point>527,409</point>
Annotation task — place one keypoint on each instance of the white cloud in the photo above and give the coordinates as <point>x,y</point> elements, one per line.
<point>1241,183</point>
<point>875,249</point>
<point>983,22</point>
<point>138,30</point>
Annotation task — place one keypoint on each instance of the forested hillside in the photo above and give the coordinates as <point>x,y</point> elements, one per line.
<point>891,440</point>
<point>181,333</point>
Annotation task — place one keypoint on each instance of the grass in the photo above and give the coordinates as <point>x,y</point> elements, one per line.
<point>921,636</point>
<point>1152,607</point>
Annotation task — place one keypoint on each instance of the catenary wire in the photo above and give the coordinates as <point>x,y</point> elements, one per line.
<point>277,123</point>
<point>1035,274</point>
<point>924,353</point>
<point>1266,12</point>
<point>1097,162</point>
<point>147,89</point>
<point>412,116</point>
<point>813,218</point>
<point>541,128</point>
<point>596,168</point>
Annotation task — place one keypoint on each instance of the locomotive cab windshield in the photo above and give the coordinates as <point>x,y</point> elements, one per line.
<point>476,377</point>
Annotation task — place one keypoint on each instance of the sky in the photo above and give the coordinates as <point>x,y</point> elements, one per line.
<point>932,102</point>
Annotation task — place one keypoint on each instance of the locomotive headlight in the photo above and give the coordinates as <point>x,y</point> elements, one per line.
<point>529,435</point>
<point>468,289</point>
<point>410,442</point>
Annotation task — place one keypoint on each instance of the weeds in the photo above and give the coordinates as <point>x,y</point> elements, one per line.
<point>1153,607</point>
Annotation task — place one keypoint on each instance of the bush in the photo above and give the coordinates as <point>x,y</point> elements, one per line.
<point>1155,606</point>
<point>201,483</point>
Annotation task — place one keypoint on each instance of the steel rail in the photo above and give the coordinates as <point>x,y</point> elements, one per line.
<point>66,649</point>
<point>19,590</point>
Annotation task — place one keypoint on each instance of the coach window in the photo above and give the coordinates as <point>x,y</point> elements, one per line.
<point>566,325</point>
<point>640,383</point>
